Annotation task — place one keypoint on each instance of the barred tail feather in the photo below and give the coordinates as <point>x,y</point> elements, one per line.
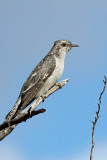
<point>11,114</point>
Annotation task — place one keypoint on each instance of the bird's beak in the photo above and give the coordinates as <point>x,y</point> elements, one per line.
<point>74,45</point>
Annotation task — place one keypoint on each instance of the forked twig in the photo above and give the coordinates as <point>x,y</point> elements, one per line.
<point>96,118</point>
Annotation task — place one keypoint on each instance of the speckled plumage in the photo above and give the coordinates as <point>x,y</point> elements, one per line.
<point>36,80</point>
<point>44,76</point>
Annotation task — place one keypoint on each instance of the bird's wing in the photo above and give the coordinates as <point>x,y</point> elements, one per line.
<point>37,79</point>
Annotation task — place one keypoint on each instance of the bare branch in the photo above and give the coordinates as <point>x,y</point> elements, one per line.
<point>96,118</point>
<point>6,132</point>
<point>20,119</point>
<point>7,126</point>
<point>43,97</point>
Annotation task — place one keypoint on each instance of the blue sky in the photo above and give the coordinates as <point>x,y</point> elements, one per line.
<point>28,30</point>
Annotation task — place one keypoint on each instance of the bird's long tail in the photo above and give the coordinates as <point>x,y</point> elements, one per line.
<point>11,114</point>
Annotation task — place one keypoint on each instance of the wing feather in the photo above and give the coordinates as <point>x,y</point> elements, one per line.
<point>36,80</point>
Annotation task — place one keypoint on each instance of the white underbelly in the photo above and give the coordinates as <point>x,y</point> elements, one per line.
<point>53,78</point>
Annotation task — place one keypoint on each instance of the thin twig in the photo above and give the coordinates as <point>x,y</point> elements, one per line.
<point>96,118</point>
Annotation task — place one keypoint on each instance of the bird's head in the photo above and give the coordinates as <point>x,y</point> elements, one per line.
<point>63,46</point>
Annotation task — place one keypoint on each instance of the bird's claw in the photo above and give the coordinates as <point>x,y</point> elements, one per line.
<point>43,98</point>
<point>59,85</point>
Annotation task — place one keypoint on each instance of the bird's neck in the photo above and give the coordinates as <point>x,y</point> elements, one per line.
<point>58,53</point>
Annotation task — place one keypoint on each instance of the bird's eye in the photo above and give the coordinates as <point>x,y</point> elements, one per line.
<point>64,44</point>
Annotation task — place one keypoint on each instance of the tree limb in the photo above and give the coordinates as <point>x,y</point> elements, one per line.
<point>96,119</point>
<point>7,126</point>
<point>20,119</point>
<point>6,132</point>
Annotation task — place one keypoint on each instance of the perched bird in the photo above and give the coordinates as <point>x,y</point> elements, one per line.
<point>44,76</point>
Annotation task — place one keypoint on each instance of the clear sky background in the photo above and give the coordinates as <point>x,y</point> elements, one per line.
<point>28,29</point>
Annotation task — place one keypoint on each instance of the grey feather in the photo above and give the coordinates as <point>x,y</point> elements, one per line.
<point>43,77</point>
<point>36,80</point>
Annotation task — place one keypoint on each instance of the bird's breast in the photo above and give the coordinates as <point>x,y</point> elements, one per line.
<point>54,77</point>
<point>59,68</point>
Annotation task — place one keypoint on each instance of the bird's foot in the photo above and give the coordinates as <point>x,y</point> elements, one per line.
<point>43,97</point>
<point>59,85</point>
